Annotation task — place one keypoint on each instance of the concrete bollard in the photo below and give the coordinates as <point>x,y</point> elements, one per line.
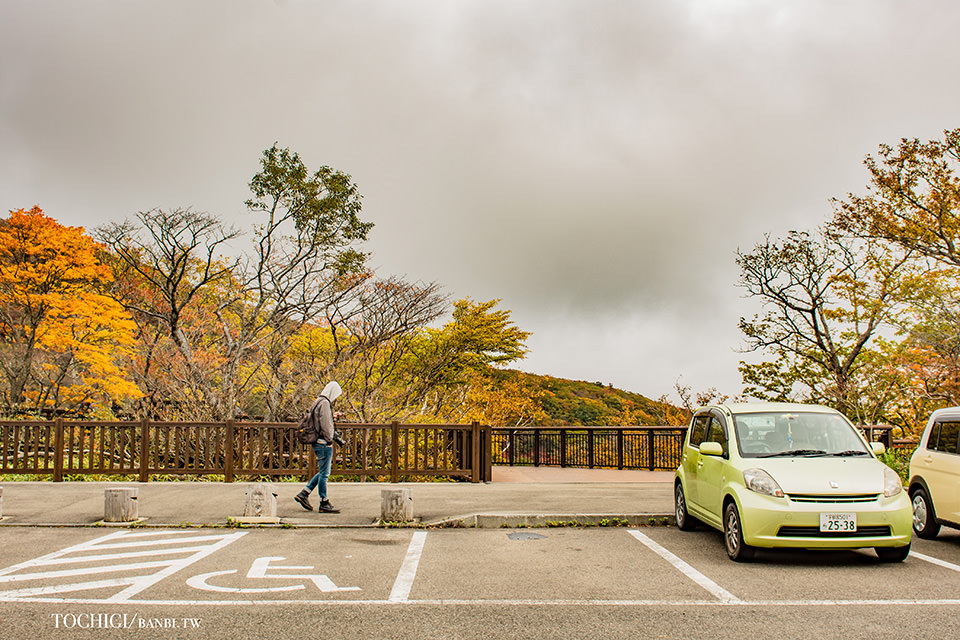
<point>396,505</point>
<point>261,502</point>
<point>120,505</point>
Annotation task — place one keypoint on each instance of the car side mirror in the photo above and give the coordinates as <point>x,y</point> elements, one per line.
<point>711,449</point>
<point>878,448</point>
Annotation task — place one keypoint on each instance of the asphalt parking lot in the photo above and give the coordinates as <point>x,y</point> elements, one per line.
<point>531,582</point>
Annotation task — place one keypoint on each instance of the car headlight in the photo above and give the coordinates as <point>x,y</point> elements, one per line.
<point>760,481</point>
<point>892,484</point>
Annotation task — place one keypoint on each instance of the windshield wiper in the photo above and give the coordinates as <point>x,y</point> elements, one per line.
<point>794,452</point>
<point>850,452</point>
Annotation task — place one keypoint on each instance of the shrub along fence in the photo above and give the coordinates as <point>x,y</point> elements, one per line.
<point>381,451</point>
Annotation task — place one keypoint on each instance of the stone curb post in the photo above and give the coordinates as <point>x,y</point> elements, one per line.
<point>120,504</point>
<point>396,505</point>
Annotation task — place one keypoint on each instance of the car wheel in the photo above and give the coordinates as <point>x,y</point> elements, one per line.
<point>737,549</point>
<point>685,521</point>
<point>892,554</point>
<point>924,518</point>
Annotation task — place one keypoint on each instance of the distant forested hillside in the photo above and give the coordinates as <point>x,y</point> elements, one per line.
<point>575,402</point>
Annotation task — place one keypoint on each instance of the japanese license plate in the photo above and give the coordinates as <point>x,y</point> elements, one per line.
<point>838,522</point>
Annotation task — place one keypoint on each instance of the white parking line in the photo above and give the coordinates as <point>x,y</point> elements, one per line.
<point>900,602</point>
<point>722,594</point>
<point>936,561</point>
<point>408,570</point>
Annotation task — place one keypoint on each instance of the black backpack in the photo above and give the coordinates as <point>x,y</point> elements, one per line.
<point>307,431</point>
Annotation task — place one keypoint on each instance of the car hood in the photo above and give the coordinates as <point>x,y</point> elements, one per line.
<point>818,476</point>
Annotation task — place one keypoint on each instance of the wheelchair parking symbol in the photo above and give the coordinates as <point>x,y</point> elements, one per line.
<point>262,569</point>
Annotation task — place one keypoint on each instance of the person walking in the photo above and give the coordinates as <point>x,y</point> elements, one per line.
<point>322,410</point>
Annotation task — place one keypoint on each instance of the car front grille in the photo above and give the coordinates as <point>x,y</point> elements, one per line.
<point>814,532</point>
<point>833,499</point>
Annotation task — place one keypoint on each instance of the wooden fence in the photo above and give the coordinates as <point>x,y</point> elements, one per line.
<point>393,451</point>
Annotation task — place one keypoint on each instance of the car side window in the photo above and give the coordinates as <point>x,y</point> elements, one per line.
<point>699,429</point>
<point>948,437</point>
<point>717,433</point>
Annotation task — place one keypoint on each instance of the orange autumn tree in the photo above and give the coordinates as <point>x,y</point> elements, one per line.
<point>62,341</point>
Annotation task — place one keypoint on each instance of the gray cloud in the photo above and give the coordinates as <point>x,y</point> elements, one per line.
<point>596,165</point>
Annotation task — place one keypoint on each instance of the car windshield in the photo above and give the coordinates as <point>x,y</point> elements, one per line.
<point>790,434</point>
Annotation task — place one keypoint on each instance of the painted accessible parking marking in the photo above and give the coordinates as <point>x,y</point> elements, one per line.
<point>141,558</point>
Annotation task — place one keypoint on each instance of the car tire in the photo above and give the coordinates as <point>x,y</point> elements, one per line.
<point>925,523</point>
<point>892,554</point>
<point>685,522</point>
<point>737,549</point>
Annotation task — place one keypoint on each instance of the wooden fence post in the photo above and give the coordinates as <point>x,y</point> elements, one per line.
<point>394,451</point>
<point>145,450</point>
<point>228,452</point>
<point>475,445</point>
<point>58,450</point>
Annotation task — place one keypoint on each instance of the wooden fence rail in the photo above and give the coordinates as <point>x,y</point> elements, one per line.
<point>60,448</point>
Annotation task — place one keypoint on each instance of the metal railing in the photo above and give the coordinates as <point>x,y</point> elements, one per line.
<point>650,448</point>
<point>382,451</point>
<point>607,447</point>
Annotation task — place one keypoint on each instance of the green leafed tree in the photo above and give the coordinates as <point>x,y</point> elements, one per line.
<point>912,198</point>
<point>824,299</point>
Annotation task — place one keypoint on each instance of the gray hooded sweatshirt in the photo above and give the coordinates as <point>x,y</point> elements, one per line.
<point>324,410</point>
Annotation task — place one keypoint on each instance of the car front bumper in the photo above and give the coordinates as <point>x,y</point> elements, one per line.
<point>781,522</point>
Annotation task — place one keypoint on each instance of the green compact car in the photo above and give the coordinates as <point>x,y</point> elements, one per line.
<point>789,475</point>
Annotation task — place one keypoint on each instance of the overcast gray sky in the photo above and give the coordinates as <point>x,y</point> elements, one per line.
<point>595,164</point>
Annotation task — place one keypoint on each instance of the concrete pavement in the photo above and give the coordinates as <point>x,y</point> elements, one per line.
<point>532,497</point>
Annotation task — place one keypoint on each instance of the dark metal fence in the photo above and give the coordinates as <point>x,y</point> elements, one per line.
<point>651,448</point>
<point>610,447</point>
<point>392,451</point>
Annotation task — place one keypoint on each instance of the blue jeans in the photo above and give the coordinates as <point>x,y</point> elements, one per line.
<point>324,455</point>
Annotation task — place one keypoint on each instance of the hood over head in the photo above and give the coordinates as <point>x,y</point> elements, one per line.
<point>332,391</point>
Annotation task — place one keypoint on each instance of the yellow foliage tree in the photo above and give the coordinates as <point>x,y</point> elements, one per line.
<point>61,341</point>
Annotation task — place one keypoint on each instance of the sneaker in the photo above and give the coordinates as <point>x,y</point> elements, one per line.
<point>326,507</point>
<point>304,499</point>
